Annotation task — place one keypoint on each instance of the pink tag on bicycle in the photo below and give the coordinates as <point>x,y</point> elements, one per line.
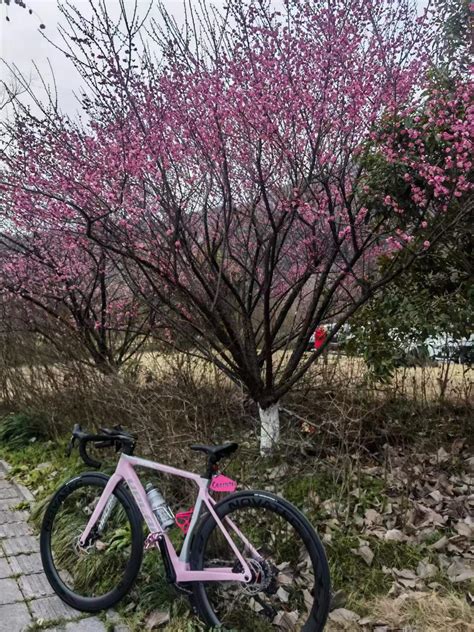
<point>223,484</point>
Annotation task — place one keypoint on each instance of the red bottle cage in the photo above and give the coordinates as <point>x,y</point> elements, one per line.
<point>183,520</point>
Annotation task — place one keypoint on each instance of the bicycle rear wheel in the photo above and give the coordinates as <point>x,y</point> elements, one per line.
<point>96,576</point>
<point>290,587</point>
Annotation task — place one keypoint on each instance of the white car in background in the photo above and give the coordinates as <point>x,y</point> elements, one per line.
<point>445,347</point>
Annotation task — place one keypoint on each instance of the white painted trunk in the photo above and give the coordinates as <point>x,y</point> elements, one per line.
<point>269,427</point>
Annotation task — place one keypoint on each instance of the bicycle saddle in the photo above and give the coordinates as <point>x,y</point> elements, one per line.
<point>216,452</point>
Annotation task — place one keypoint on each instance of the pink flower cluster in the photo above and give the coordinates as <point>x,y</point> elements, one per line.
<point>231,173</point>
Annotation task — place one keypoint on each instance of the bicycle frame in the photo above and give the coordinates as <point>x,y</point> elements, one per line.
<point>125,472</point>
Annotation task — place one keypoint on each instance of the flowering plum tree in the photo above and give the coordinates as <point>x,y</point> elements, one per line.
<point>232,172</point>
<point>60,284</point>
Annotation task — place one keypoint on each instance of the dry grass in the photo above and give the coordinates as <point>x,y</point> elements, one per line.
<point>422,384</point>
<point>186,399</point>
<point>426,612</point>
<point>415,612</point>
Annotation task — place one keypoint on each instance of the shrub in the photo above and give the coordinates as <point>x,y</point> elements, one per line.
<point>19,429</point>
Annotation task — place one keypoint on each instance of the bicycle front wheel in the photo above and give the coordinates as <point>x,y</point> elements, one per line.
<point>290,586</point>
<point>95,576</point>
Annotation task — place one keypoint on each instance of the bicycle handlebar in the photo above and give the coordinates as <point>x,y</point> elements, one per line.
<point>116,437</point>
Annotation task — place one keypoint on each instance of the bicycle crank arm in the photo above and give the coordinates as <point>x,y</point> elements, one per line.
<point>169,568</point>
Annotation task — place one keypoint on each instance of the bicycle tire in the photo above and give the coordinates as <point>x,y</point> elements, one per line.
<point>256,499</point>
<point>77,601</point>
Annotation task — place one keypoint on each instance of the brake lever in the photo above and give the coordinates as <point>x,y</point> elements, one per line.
<point>70,446</point>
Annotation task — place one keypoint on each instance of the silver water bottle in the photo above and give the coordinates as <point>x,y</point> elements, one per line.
<point>159,507</point>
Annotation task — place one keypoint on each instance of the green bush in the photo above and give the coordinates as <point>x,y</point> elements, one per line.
<point>17,430</point>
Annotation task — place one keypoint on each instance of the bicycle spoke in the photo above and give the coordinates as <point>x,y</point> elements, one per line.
<point>280,593</point>
<point>96,568</point>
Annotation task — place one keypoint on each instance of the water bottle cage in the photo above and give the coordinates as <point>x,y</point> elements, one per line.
<point>183,520</point>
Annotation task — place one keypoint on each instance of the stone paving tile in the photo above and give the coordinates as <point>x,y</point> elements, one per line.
<point>26,564</point>
<point>9,591</point>
<point>14,529</point>
<point>51,609</point>
<point>7,516</point>
<point>122,627</point>
<point>8,491</point>
<point>14,617</point>
<point>21,489</point>
<point>5,569</point>
<point>9,503</point>
<point>93,624</point>
<point>114,619</point>
<point>19,556</point>
<point>21,544</point>
<point>35,585</point>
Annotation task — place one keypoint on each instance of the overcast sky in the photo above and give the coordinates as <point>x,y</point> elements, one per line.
<point>22,43</point>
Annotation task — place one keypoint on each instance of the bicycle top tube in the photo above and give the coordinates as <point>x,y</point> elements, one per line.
<point>136,461</point>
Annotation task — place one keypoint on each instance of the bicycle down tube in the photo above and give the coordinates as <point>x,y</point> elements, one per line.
<point>125,471</point>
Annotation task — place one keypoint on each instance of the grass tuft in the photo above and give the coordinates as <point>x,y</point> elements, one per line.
<point>18,430</point>
<point>429,612</point>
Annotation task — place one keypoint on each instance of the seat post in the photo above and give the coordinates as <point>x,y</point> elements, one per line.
<point>212,463</point>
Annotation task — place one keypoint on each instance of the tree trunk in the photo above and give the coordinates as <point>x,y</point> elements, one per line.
<point>269,427</point>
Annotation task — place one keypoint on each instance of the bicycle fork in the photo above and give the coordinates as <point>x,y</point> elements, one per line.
<point>108,509</point>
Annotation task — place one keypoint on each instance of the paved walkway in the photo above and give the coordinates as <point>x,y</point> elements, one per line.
<point>27,601</point>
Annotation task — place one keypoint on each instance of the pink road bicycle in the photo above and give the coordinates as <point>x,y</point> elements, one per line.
<point>251,561</point>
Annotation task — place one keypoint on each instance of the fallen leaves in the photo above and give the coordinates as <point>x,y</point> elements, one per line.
<point>373,517</point>
<point>406,577</point>
<point>156,619</point>
<point>460,570</point>
<point>366,553</point>
<point>405,520</point>
<point>426,505</point>
<point>286,621</point>
<point>440,544</point>
<point>426,570</point>
<point>344,616</point>
<point>394,535</point>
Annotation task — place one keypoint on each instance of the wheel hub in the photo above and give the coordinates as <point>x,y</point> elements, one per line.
<point>263,576</point>
<point>84,549</point>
